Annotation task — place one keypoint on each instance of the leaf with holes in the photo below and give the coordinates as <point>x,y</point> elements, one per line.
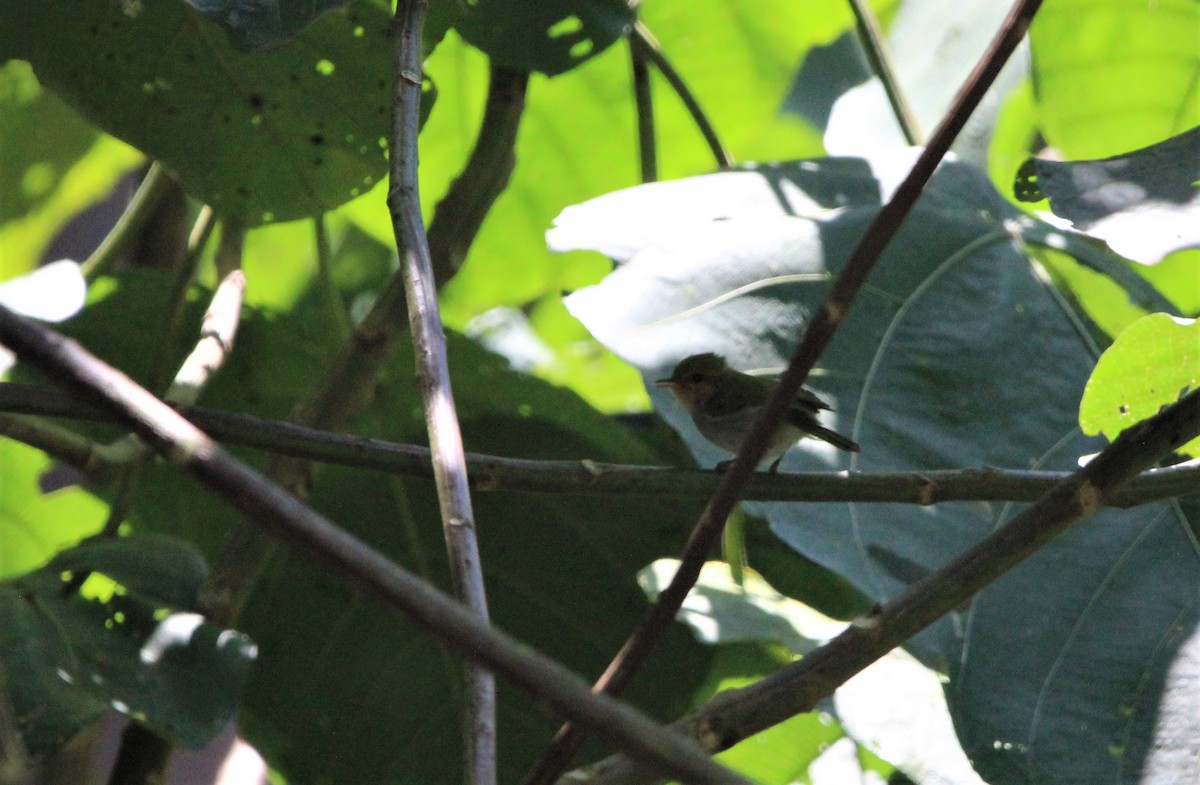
<point>1145,204</point>
<point>128,640</point>
<point>259,136</point>
<point>550,36</point>
<point>1152,364</point>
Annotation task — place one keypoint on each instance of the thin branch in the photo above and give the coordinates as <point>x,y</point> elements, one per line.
<point>820,331</point>
<point>343,555</point>
<point>219,326</point>
<point>59,443</point>
<point>433,381</point>
<point>491,473</point>
<point>878,54</point>
<point>641,39</point>
<point>14,758</point>
<point>461,212</point>
<point>325,282</point>
<point>129,225</point>
<point>736,715</point>
<point>185,272</point>
<point>644,103</point>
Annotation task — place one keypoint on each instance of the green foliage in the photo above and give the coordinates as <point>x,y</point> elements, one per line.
<point>959,354</point>
<point>1152,364</point>
<point>138,648</point>
<point>261,137</point>
<point>326,652</point>
<point>551,36</point>
<point>1115,76</point>
<point>36,525</point>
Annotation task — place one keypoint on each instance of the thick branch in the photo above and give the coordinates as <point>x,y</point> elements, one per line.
<point>285,517</point>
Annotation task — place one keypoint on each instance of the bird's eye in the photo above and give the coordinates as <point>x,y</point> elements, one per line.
<point>695,377</point>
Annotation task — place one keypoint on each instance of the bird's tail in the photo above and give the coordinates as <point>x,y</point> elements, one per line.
<point>833,437</point>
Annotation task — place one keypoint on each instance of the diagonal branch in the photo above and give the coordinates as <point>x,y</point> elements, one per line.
<point>738,714</point>
<point>817,336</point>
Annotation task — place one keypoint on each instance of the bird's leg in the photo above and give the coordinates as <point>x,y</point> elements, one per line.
<point>774,468</point>
<point>723,466</point>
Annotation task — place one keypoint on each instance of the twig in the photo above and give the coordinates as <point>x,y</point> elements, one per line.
<point>14,758</point>
<point>738,714</point>
<point>129,225</point>
<point>641,39</point>
<point>433,381</point>
<point>461,212</point>
<point>817,336</point>
<point>875,45</point>
<point>644,103</point>
<point>338,317</point>
<point>283,516</point>
<point>492,473</point>
<point>59,443</point>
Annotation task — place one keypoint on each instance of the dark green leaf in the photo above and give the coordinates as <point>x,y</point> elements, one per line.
<point>550,36</point>
<point>260,136</point>
<point>138,650</point>
<point>258,24</point>
<point>1145,204</point>
<point>348,692</point>
<point>956,354</point>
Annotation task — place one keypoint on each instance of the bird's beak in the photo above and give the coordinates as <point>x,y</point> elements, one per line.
<point>665,383</point>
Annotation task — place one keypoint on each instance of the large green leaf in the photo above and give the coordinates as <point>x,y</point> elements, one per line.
<point>955,355</point>
<point>345,691</point>
<point>259,136</point>
<point>140,649</point>
<point>1115,75</point>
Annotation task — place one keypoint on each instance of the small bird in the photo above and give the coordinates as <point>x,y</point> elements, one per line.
<point>725,403</point>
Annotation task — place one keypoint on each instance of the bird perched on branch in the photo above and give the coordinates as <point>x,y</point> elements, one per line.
<point>725,403</point>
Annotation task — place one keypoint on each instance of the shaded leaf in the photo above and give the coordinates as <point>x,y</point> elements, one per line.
<point>263,137</point>
<point>1145,204</point>
<point>550,36</point>
<point>258,24</point>
<point>895,706</point>
<point>347,691</point>
<point>956,354</point>
<point>139,650</point>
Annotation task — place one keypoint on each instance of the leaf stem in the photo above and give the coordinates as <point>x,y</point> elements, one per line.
<point>642,40</point>
<point>870,35</point>
<point>149,193</point>
<point>644,104</point>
